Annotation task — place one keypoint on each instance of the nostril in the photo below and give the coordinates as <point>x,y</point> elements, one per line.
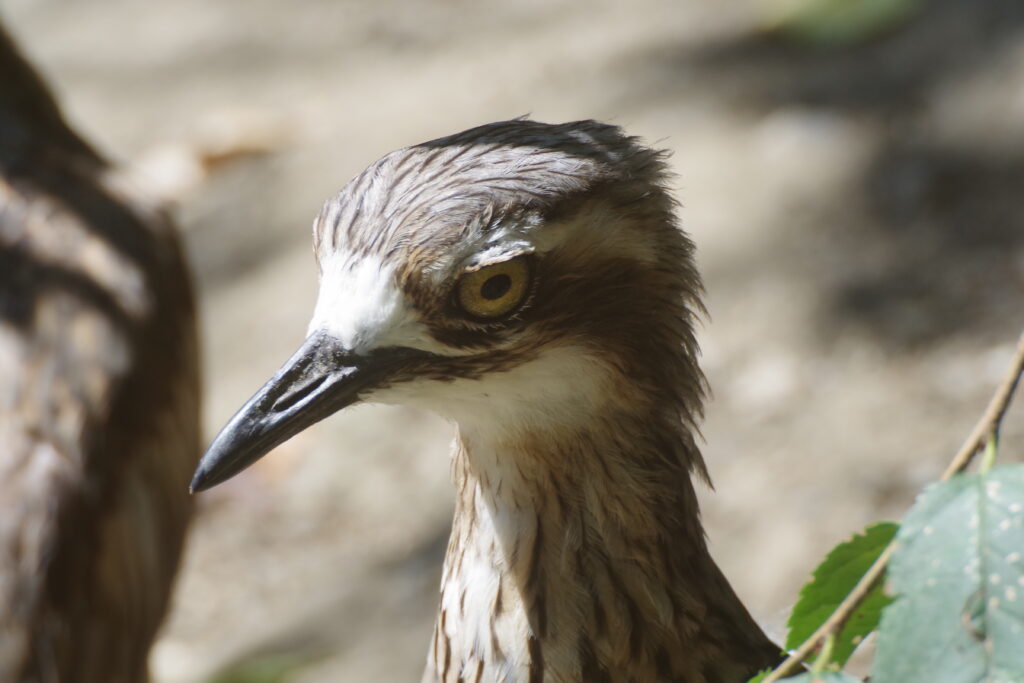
<point>297,394</point>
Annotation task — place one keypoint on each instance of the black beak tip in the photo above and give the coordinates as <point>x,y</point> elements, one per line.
<point>201,481</point>
<point>213,469</point>
<point>218,464</point>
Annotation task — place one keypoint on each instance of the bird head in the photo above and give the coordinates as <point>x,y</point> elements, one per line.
<point>510,277</point>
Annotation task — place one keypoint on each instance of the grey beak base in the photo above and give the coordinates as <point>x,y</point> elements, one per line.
<point>318,380</point>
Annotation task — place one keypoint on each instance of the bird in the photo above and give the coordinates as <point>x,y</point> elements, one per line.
<point>99,400</point>
<point>531,283</point>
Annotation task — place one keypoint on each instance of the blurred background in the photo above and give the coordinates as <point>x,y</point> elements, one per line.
<point>851,171</point>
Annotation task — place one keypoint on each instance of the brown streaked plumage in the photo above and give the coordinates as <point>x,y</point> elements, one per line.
<point>98,402</point>
<point>577,551</point>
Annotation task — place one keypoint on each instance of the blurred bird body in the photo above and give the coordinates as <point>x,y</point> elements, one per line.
<point>98,402</point>
<point>529,282</point>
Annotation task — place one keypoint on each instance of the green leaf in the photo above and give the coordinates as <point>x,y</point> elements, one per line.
<point>834,23</point>
<point>833,580</point>
<point>959,576</point>
<point>823,677</point>
<point>268,668</point>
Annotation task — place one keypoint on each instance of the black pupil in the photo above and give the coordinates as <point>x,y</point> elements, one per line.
<point>496,287</point>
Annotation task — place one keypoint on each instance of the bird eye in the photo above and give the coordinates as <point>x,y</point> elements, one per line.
<point>495,290</point>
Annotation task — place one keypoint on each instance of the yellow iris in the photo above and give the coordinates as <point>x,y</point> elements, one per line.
<point>495,290</point>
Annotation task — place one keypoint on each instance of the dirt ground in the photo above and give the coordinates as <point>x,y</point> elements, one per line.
<point>857,210</point>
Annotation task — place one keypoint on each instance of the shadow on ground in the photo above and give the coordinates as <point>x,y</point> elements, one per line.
<point>927,233</point>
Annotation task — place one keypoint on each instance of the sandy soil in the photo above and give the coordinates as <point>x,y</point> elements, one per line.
<point>857,213</point>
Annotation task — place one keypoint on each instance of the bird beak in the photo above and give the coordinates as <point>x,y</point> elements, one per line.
<point>321,378</point>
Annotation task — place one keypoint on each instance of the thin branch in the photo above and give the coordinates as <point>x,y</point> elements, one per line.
<point>989,423</point>
<point>986,427</point>
<point>835,622</point>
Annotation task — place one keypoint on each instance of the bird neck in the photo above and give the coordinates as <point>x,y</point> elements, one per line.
<point>579,555</point>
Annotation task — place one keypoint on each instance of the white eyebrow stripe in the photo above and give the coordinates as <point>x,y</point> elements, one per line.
<point>361,304</point>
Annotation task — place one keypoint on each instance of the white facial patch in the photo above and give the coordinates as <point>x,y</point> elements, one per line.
<point>564,385</point>
<point>361,305</point>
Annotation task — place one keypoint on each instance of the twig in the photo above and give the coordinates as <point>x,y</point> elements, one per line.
<point>989,423</point>
<point>835,622</point>
<point>986,427</point>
